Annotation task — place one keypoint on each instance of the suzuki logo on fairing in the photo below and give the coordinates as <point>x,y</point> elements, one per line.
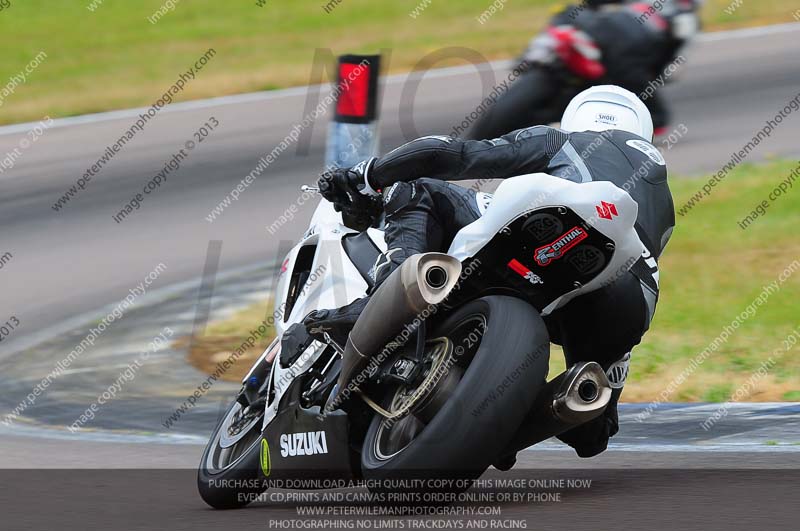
<point>607,210</point>
<point>307,443</point>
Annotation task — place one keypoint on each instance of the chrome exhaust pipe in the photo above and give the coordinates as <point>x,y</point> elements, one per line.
<point>583,395</point>
<point>572,398</point>
<point>406,297</point>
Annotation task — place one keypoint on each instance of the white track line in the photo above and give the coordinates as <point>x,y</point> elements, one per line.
<point>744,33</point>
<point>679,447</point>
<point>109,436</point>
<point>392,79</point>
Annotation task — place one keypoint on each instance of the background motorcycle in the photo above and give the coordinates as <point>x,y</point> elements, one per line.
<point>563,61</point>
<point>553,71</point>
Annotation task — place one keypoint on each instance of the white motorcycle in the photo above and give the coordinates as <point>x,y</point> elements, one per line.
<point>446,364</point>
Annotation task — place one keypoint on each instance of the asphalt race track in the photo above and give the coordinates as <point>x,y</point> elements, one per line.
<point>68,267</point>
<point>619,491</point>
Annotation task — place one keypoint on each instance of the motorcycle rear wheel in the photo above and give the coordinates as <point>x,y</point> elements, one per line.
<point>502,374</point>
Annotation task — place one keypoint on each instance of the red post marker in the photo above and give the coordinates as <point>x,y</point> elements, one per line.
<point>352,136</point>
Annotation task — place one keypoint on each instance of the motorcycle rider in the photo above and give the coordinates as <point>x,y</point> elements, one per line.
<point>605,136</point>
<point>630,44</point>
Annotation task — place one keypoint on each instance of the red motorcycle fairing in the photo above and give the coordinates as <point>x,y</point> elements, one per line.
<point>648,15</point>
<point>578,51</point>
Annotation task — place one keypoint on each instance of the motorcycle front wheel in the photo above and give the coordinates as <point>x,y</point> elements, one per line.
<point>230,474</point>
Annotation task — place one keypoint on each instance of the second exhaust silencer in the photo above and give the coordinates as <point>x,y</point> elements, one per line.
<point>408,294</point>
<point>572,398</point>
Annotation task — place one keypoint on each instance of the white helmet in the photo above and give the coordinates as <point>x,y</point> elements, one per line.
<point>607,107</point>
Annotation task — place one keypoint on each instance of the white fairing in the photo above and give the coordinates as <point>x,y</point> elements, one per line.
<point>334,280</point>
<point>518,195</point>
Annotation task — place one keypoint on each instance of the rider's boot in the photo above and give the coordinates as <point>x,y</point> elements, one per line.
<point>337,323</point>
<point>591,438</point>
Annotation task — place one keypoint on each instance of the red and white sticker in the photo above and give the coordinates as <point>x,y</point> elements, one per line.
<point>546,254</point>
<point>524,272</point>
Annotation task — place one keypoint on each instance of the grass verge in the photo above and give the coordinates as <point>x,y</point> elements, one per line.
<point>106,54</point>
<point>223,337</point>
<point>711,272</point>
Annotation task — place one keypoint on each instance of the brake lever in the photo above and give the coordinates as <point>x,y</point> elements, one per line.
<point>309,189</point>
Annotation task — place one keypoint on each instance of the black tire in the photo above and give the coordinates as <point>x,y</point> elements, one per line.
<point>486,407</point>
<point>530,100</point>
<point>239,484</point>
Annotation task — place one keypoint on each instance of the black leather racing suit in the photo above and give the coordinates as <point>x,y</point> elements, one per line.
<point>423,213</point>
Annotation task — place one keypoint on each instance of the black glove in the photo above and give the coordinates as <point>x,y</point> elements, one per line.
<point>362,219</point>
<point>346,189</point>
<point>339,186</point>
